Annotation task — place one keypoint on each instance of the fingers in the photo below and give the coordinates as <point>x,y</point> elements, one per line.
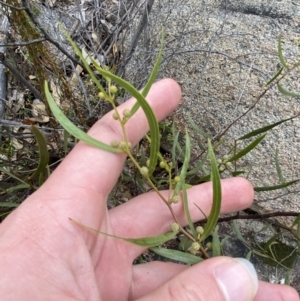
<point>217,279</point>
<point>148,215</point>
<point>98,170</point>
<point>275,292</point>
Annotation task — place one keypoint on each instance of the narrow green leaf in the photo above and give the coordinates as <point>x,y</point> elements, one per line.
<point>173,151</point>
<point>248,256</point>
<point>197,128</point>
<point>84,60</point>
<point>187,211</point>
<point>17,187</point>
<point>237,231</point>
<point>275,76</point>
<point>153,74</point>
<point>198,166</point>
<point>265,128</point>
<point>13,176</point>
<point>287,93</point>
<point>185,165</point>
<point>237,172</point>
<point>151,241</point>
<point>8,205</point>
<point>217,194</point>
<point>184,257</point>
<point>247,149</point>
<point>269,188</point>
<point>152,121</point>
<point>280,53</point>
<point>216,244</point>
<point>278,168</point>
<point>43,152</point>
<point>74,130</point>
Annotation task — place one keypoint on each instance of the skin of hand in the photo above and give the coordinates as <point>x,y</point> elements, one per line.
<point>45,256</point>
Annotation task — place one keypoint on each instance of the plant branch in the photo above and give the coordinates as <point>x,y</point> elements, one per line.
<point>23,43</point>
<point>11,6</point>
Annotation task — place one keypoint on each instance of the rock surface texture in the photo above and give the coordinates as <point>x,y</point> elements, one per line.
<point>222,53</point>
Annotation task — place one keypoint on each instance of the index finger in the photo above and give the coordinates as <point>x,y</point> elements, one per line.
<point>97,170</point>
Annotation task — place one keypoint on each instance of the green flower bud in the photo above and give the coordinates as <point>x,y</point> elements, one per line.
<point>162,164</point>
<point>222,168</point>
<point>122,145</point>
<point>175,227</point>
<point>175,199</point>
<point>115,143</point>
<point>115,116</point>
<point>144,171</point>
<point>209,246</point>
<point>219,161</point>
<point>126,113</point>
<point>228,164</point>
<point>113,89</point>
<point>101,95</point>
<point>177,179</point>
<point>199,230</point>
<point>225,157</point>
<point>195,246</point>
<point>148,162</point>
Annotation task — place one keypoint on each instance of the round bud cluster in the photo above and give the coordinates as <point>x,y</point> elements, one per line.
<point>101,95</point>
<point>175,227</point>
<point>115,143</point>
<point>209,246</point>
<point>122,145</point>
<point>175,199</point>
<point>195,247</point>
<point>148,162</point>
<point>113,89</point>
<point>162,164</point>
<point>126,113</point>
<point>199,230</point>
<point>115,116</point>
<point>177,179</point>
<point>144,171</point>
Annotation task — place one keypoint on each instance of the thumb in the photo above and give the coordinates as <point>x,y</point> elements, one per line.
<point>216,279</point>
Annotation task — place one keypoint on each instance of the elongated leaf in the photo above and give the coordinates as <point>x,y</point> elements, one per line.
<point>13,176</point>
<point>196,127</point>
<point>43,152</point>
<point>237,172</point>
<point>280,53</point>
<point>278,168</point>
<point>247,149</point>
<point>216,245</point>
<point>287,93</point>
<point>153,74</point>
<point>217,194</point>
<point>275,76</point>
<point>177,255</point>
<point>84,60</point>
<point>152,121</point>
<point>269,188</point>
<point>16,187</point>
<point>237,231</point>
<point>265,128</point>
<point>151,241</point>
<point>198,166</point>
<point>185,165</point>
<point>8,205</point>
<point>73,129</point>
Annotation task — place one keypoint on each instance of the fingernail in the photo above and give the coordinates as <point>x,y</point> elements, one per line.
<point>237,279</point>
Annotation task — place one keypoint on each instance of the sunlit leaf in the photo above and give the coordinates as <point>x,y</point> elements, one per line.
<point>216,245</point>
<point>278,168</point>
<point>153,74</point>
<point>275,76</point>
<point>280,53</point>
<point>247,149</point>
<point>73,129</point>
<point>280,186</point>
<point>151,241</point>
<point>43,152</point>
<point>287,93</point>
<point>184,257</point>
<point>217,194</point>
<point>265,128</point>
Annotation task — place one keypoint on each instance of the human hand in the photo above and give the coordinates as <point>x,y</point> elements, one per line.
<point>45,256</point>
